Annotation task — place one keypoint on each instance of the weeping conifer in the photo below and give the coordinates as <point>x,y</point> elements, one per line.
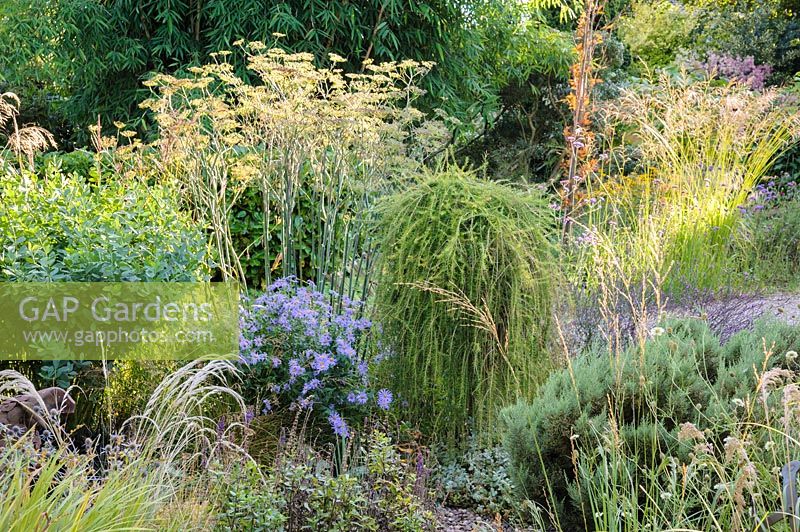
<point>464,296</point>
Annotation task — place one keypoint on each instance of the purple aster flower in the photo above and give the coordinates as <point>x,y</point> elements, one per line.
<point>295,369</point>
<point>344,348</point>
<point>276,362</point>
<point>338,424</point>
<point>304,402</point>
<point>280,284</point>
<point>323,362</point>
<point>267,407</point>
<point>384,399</point>
<point>313,384</point>
<point>358,398</point>
<point>244,343</point>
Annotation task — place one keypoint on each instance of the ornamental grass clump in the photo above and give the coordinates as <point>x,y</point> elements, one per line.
<point>464,297</point>
<point>680,159</point>
<point>140,480</point>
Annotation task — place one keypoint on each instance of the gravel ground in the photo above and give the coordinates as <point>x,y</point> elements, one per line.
<point>461,520</point>
<point>734,313</point>
<point>782,306</point>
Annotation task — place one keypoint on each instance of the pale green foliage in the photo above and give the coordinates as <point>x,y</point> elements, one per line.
<point>654,32</point>
<point>464,295</point>
<point>55,227</point>
<point>477,477</point>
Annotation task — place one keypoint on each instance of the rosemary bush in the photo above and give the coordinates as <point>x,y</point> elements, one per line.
<point>464,296</point>
<point>606,435</point>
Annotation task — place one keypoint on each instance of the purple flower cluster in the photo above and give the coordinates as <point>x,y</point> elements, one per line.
<point>303,352</point>
<point>338,424</point>
<point>742,70</point>
<point>384,399</point>
<point>769,194</point>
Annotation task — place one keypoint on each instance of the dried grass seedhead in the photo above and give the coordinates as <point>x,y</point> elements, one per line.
<point>31,140</point>
<point>9,107</point>
<point>27,140</point>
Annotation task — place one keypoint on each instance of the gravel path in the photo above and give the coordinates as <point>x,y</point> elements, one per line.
<point>731,314</point>
<point>462,520</point>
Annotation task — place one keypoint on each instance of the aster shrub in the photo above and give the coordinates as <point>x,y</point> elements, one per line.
<point>302,352</point>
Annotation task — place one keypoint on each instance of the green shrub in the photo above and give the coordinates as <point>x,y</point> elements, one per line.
<point>464,296</point>
<point>718,473</point>
<point>79,227</point>
<point>302,493</point>
<point>643,396</point>
<point>63,228</point>
<point>654,32</point>
<point>766,30</point>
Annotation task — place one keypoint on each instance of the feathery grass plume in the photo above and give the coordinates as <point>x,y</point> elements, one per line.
<point>699,152</point>
<point>27,140</point>
<point>465,292</point>
<point>147,472</point>
<point>9,107</point>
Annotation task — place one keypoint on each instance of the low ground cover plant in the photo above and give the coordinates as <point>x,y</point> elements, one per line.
<point>377,490</point>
